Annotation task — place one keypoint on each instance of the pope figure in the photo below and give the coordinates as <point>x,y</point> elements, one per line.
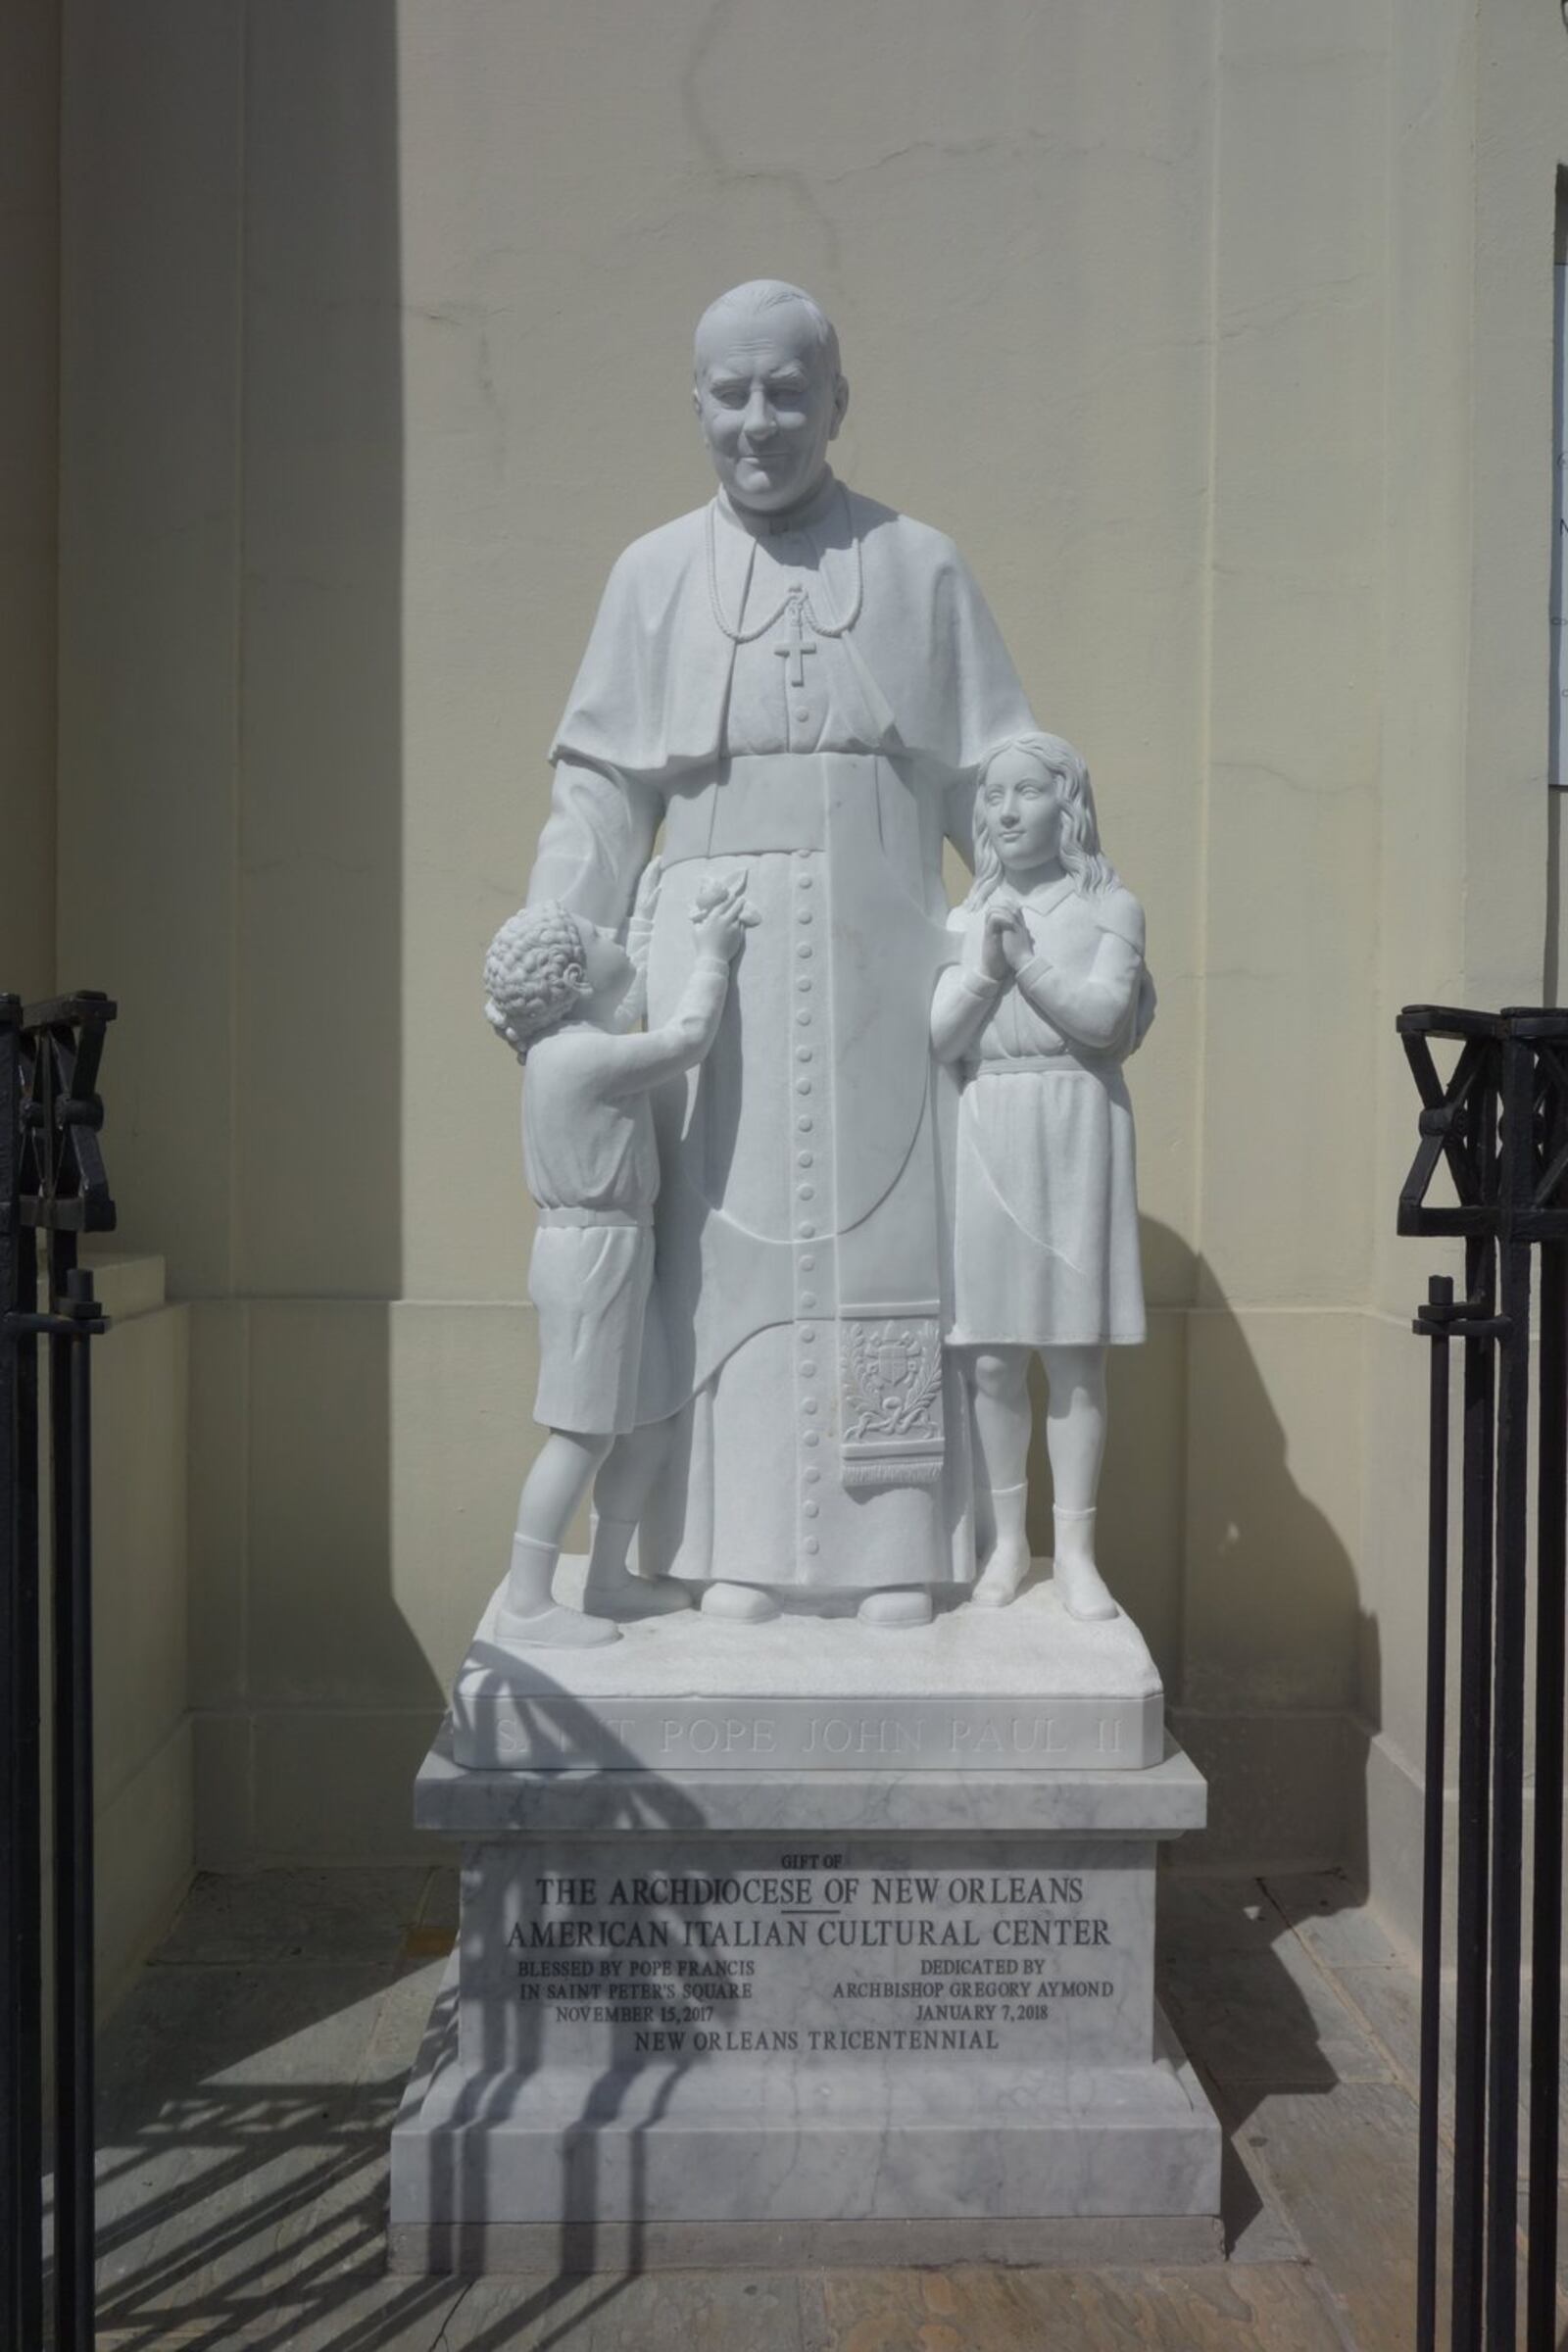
<point>799,681</point>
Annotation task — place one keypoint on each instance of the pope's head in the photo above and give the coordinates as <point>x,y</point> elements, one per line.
<point>769,393</point>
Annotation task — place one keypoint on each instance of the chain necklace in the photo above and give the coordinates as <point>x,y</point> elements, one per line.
<point>797,596</point>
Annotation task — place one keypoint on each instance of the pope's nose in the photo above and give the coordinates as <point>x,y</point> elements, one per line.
<point>760,422</point>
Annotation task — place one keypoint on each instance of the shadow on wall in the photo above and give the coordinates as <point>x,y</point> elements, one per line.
<point>1239,1580</point>
<point>321,952</point>
<point>298,1634</point>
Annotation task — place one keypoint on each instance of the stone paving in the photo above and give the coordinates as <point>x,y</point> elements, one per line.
<point>249,2083</point>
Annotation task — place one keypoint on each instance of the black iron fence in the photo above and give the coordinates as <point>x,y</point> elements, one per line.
<point>52,1191</point>
<point>1498,1124</point>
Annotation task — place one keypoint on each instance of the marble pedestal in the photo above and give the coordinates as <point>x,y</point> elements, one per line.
<point>779,2004</point>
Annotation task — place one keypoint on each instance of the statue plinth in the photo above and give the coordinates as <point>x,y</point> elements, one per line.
<point>749,2007</point>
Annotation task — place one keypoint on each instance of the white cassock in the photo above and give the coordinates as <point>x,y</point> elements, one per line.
<point>810,705</point>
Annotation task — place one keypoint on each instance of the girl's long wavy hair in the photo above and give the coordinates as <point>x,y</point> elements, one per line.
<point>1082,857</point>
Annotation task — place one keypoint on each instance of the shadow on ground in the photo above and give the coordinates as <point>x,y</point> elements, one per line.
<point>247,2094</point>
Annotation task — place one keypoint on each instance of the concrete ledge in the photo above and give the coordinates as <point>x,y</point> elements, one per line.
<point>1385,1847</point>
<point>128,1284</point>
<point>143,1841</point>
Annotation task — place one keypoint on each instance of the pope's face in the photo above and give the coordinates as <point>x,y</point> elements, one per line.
<point>1022,812</point>
<point>767,404</point>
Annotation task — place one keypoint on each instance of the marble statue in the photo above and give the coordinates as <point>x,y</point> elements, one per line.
<point>560,992</point>
<point>821,1164</point>
<point>798,679</point>
<point>1051,996</point>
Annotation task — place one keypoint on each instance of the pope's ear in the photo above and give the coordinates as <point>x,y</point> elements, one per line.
<point>841,402</point>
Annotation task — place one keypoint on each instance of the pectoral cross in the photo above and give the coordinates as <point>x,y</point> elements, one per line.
<point>798,645</point>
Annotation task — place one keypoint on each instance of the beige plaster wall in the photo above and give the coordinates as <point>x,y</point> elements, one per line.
<point>29,289</point>
<point>142,1726</point>
<point>374,329</point>
<point>1470,892</point>
<point>143,1779</point>
<point>142,1785</point>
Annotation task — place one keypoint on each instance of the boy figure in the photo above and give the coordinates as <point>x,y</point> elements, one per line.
<point>561,991</point>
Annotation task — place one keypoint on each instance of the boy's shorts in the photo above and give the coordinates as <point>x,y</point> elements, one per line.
<point>590,1284</point>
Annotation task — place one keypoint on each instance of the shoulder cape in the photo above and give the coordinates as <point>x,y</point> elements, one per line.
<point>936,678</point>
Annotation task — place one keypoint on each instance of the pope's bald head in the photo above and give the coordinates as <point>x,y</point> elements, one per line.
<point>769,393</point>
<point>758,298</point>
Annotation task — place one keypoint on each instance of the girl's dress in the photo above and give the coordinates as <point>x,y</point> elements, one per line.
<point>1045,1213</point>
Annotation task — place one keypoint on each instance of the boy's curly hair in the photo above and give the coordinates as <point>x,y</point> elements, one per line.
<point>533,974</point>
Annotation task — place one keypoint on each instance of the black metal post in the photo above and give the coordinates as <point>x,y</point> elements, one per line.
<point>27,1737</point>
<point>1508,1697</point>
<point>71,1427</point>
<point>12,1686</point>
<point>52,1184</point>
<point>1439,1314</point>
<point>1475,1753</point>
<point>1545,1999</point>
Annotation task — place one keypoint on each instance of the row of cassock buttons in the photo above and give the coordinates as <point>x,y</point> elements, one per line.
<point>805,1193</point>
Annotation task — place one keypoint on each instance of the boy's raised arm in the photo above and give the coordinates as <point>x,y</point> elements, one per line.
<point>636,1062</point>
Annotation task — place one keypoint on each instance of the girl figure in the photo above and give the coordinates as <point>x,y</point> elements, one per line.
<point>1049,998</point>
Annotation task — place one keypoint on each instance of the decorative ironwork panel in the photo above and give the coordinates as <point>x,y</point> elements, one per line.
<point>1498,1126</point>
<point>53,1189</point>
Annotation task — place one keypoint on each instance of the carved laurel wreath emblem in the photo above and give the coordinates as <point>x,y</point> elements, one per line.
<point>892,1381</point>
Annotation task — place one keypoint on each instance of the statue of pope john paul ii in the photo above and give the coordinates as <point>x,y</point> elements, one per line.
<point>798,682</point>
